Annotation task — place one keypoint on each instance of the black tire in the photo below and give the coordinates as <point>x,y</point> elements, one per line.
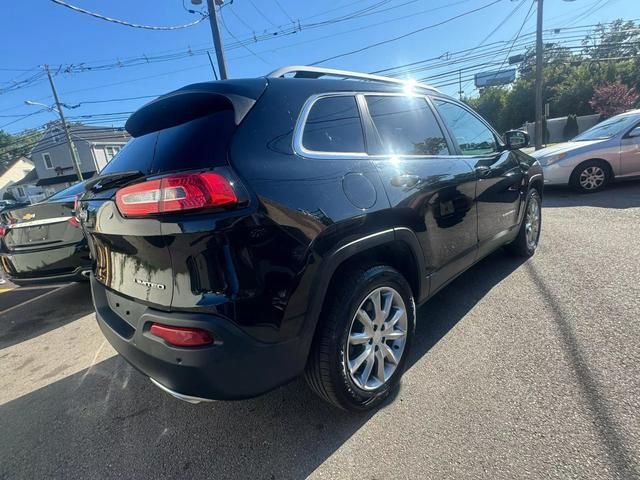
<point>521,246</point>
<point>326,371</point>
<point>584,169</point>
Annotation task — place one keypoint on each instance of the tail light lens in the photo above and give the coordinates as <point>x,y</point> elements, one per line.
<point>175,194</point>
<point>74,220</point>
<point>3,231</point>
<point>180,336</point>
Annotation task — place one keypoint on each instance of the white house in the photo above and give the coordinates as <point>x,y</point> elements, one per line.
<point>20,181</point>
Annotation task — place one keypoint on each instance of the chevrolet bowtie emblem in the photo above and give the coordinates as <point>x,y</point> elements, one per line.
<point>29,216</point>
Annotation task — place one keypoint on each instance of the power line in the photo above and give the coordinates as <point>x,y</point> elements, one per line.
<point>125,23</point>
<point>284,11</point>
<point>261,13</point>
<point>515,39</point>
<point>377,44</point>
<point>224,24</point>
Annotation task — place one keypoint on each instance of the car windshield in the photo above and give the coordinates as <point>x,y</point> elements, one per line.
<point>608,128</point>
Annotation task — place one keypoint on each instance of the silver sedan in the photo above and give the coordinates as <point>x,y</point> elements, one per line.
<point>606,152</point>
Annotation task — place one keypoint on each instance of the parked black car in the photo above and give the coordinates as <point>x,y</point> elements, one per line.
<point>257,229</point>
<point>43,242</point>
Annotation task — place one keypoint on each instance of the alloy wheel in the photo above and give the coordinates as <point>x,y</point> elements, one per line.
<point>592,177</point>
<point>532,222</point>
<point>377,338</point>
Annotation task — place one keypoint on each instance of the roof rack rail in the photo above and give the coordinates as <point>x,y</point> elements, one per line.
<point>301,71</point>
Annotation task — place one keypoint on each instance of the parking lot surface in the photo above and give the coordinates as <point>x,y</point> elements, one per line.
<point>518,370</point>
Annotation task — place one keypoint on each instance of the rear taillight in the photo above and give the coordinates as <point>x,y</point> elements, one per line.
<point>3,231</point>
<point>74,219</point>
<point>181,336</point>
<point>176,193</point>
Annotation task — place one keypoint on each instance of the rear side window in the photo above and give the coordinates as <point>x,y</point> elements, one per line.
<point>199,144</point>
<point>333,125</point>
<point>472,135</point>
<point>406,126</point>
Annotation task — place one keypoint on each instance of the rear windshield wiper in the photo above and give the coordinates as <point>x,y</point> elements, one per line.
<point>112,179</point>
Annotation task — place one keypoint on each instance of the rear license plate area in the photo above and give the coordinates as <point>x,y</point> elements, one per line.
<point>128,310</point>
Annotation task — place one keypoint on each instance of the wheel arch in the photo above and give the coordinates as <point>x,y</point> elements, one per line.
<point>396,247</point>
<point>606,163</point>
<point>537,182</point>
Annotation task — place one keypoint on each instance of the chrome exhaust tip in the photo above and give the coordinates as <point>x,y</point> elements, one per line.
<point>180,396</point>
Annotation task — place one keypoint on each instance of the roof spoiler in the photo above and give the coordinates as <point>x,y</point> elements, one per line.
<point>195,101</point>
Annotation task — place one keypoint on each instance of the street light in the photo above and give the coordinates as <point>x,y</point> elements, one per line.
<point>38,104</point>
<point>58,110</point>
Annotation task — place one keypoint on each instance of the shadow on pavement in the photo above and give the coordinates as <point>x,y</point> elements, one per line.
<point>53,311</point>
<point>616,195</point>
<point>109,421</point>
<point>619,455</point>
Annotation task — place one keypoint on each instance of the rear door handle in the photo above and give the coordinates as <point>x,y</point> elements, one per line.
<point>405,180</point>
<point>483,171</point>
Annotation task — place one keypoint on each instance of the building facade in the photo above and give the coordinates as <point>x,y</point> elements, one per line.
<point>95,147</point>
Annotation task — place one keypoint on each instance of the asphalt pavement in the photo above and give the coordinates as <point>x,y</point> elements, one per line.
<point>519,370</point>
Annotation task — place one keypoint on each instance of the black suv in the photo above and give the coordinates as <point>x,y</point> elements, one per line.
<point>257,229</point>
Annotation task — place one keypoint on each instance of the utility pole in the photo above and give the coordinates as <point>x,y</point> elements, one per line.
<point>539,64</point>
<point>65,127</point>
<point>217,39</point>
<point>460,92</point>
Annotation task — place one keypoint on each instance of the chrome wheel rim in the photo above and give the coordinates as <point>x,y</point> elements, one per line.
<point>592,177</point>
<point>377,338</point>
<point>532,222</point>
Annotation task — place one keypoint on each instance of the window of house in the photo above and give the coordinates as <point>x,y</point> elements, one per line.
<point>47,161</point>
<point>110,151</point>
<point>333,125</point>
<point>406,126</point>
<point>472,135</point>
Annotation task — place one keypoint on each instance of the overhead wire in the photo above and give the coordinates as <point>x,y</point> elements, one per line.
<point>125,23</point>
<point>399,37</point>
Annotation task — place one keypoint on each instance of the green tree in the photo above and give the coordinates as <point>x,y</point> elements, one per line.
<point>13,147</point>
<point>490,104</point>
<point>610,54</point>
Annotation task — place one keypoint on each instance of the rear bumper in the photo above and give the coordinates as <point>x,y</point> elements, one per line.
<point>236,366</point>
<point>77,275</point>
<point>61,264</point>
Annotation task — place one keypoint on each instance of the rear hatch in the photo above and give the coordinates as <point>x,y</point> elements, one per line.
<point>140,209</point>
<point>45,225</point>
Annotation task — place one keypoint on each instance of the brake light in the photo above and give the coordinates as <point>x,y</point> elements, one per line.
<point>181,336</point>
<point>74,219</point>
<point>176,193</point>
<point>3,231</point>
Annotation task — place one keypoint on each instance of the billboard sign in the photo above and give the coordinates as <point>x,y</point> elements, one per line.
<point>490,79</point>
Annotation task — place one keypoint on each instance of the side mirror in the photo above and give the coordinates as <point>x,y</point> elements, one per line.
<point>516,139</point>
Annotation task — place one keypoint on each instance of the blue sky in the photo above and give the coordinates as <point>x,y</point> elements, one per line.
<point>38,32</point>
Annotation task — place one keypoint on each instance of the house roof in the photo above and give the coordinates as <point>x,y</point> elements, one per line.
<point>29,178</point>
<point>63,179</point>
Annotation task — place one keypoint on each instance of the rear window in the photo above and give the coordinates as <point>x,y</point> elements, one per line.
<point>333,125</point>
<point>68,192</point>
<point>200,143</point>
